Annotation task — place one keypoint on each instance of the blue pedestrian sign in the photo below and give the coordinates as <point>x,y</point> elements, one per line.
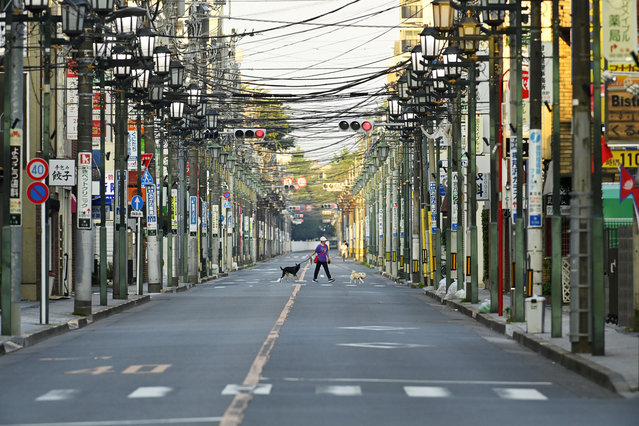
<point>146,178</point>
<point>137,203</point>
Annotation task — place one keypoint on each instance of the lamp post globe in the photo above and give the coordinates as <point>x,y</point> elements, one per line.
<point>430,43</point>
<point>176,74</point>
<point>494,12</point>
<point>73,15</point>
<point>101,7</point>
<point>161,60</point>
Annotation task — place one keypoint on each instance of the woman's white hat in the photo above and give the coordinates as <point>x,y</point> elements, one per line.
<point>323,239</point>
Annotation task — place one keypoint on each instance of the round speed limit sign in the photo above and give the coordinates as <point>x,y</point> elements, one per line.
<point>37,169</point>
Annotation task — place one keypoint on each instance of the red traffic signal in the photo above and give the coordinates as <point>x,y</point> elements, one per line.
<point>356,125</point>
<point>250,133</point>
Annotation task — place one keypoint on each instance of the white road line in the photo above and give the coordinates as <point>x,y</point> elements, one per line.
<point>426,391</point>
<point>520,394</point>
<point>150,392</point>
<point>417,381</point>
<point>378,328</point>
<point>339,390</point>
<point>203,420</point>
<point>57,395</point>
<point>220,286</point>
<point>261,389</point>
<point>327,285</point>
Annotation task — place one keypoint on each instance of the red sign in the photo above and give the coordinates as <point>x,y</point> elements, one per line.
<point>146,160</point>
<point>37,192</point>
<point>302,182</point>
<point>309,208</point>
<point>85,159</point>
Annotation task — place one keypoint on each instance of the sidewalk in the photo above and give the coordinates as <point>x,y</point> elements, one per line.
<point>62,320</point>
<point>617,371</point>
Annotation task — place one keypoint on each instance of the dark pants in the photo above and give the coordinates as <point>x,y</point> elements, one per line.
<point>317,268</point>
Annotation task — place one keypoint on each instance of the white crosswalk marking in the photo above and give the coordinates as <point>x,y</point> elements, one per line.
<point>339,390</point>
<point>57,395</point>
<point>426,391</point>
<point>150,392</point>
<point>520,394</point>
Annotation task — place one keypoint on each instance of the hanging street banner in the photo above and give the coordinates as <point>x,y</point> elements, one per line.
<point>71,103</point>
<point>619,30</point>
<point>535,180</point>
<point>84,190</point>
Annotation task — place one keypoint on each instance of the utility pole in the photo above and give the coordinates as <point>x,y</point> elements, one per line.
<point>13,153</point>
<point>581,195</point>
<point>192,253</point>
<point>534,181</point>
<point>516,123</point>
<point>556,291</point>
<point>84,230</point>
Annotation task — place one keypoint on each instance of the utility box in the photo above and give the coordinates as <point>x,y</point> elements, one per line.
<point>534,311</point>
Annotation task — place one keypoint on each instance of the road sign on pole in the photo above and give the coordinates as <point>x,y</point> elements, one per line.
<point>37,169</point>
<point>38,192</point>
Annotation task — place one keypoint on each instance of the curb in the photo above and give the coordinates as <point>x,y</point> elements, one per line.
<point>19,342</point>
<point>596,373</point>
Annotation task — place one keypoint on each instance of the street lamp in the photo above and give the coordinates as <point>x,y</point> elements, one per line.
<point>127,19</point>
<point>36,6</point>
<point>494,11</point>
<point>430,43</point>
<point>469,31</point>
<point>176,75</point>
<point>146,39</point>
<point>73,14</point>
<point>161,60</point>
<point>417,60</point>
<point>193,95</point>
<point>443,14</point>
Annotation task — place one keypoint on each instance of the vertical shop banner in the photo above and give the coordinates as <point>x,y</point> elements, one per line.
<point>193,211</point>
<point>215,219</point>
<point>151,210</point>
<point>84,190</point>
<point>72,100</point>
<point>619,30</point>
<point>433,206</point>
<point>513,178</point>
<point>454,216</point>
<point>535,182</point>
<point>15,177</point>
<point>174,221</point>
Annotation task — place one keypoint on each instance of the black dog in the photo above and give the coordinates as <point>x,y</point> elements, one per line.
<point>289,270</point>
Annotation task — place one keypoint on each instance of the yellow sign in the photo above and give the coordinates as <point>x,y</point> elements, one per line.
<point>627,158</point>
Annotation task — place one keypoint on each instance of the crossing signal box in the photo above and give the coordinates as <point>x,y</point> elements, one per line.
<point>356,125</point>
<point>250,133</point>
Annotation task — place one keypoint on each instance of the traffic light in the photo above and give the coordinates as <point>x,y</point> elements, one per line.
<point>356,125</point>
<point>250,133</point>
<point>329,206</point>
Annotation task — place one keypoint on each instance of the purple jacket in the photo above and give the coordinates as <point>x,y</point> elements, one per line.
<point>321,252</point>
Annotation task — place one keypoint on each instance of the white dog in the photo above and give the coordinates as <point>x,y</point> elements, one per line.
<point>358,277</point>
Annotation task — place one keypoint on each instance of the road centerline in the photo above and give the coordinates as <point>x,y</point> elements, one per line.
<point>235,411</point>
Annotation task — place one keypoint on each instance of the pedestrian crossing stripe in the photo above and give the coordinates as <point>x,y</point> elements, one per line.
<point>521,394</point>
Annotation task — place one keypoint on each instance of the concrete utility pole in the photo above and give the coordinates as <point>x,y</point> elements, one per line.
<point>556,266</point>
<point>534,181</point>
<point>516,124</point>
<point>415,253</point>
<point>581,195</point>
<point>13,154</point>
<point>84,230</point>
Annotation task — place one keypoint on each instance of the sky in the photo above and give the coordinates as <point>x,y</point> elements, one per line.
<point>341,43</point>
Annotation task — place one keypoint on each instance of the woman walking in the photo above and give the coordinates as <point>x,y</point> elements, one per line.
<point>321,259</point>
